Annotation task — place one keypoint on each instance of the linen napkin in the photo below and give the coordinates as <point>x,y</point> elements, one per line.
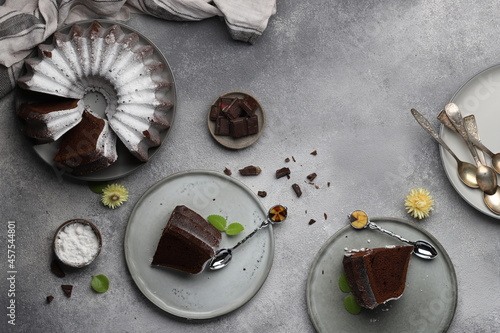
<point>26,23</point>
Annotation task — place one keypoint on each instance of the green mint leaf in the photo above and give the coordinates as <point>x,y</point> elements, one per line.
<point>97,187</point>
<point>343,284</point>
<point>234,229</point>
<point>217,221</point>
<point>100,283</point>
<point>351,305</point>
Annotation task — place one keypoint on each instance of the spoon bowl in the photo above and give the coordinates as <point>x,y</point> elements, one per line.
<point>276,215</point>
<point>422,249</point>
<point>493,202</point>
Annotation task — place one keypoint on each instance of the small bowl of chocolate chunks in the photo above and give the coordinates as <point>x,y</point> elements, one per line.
<point>236,120</point>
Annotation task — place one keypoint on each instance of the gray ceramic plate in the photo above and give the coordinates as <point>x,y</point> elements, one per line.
<point>480,96</point>
<point>243,142</point>
<point>126,163</point>
<point>210,293</point>
<point>428,302</point>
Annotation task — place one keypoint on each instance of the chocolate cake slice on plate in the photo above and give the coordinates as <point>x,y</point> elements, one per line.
<point>377,275</point>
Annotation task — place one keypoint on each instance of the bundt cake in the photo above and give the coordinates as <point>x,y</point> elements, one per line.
<point>87,147</point>
<point>377,275</point>
<point>187,242</point>
<point>49,121</point>
<point>117,65</point>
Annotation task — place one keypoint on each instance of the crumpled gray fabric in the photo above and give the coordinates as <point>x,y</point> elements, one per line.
<point>26,23</point>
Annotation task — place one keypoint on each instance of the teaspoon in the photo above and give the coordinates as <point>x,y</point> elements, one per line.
<point>422,249</point>
<point>276,215</point>
<point>466,171</point>
<point>493,201</point>
<point>485,176</point>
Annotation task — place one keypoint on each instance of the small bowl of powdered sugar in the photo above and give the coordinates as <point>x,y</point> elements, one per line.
<point>77,243</point>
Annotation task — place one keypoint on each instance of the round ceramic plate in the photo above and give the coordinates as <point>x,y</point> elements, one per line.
<point>243,142</point>
<point>480,96</point>
<point>428,302</point>
<point>126,162</point>
<point>210,293</point>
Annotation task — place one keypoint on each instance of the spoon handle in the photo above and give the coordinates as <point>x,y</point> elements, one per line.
<point>372,225</point>
<point>263,225</point>
<point>456,119</point>
<point>426,125</point>
<point>471,128</point>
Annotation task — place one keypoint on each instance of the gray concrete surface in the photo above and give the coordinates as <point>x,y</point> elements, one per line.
<point>338,77</point>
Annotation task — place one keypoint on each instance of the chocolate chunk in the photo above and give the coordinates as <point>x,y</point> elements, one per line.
<point>214,112</point>
<point>312,221</point>
<point>224,102</point>
<point>311,176</point>
<point>297,190</point>
<point>227,172</point>
<point>238,127</point>
<point>287,160</point>
<point>221,126</point>
<point>282,172</point>
<point>250,171</point>
<point>50,298</point>
<point>314,153</point>
<point>249,105</point>
<point>68,289</point>
<point>233,110</point>
<point>252,125</point>
<point>262,194</point>
<point>56,269</point>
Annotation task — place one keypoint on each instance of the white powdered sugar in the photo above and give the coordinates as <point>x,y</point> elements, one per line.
<point>76,244</point>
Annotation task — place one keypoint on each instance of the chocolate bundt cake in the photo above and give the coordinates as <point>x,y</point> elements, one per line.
<point>187,242</point>
<point>377,275</point>
<point>113,63</point>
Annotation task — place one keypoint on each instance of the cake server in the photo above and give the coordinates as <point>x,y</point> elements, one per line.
<point>276,215</point>
<point>422,249</point>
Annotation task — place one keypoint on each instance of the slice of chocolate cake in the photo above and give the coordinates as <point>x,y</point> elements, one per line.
<point>187,243</point>
<point>88,147</point>
<point>377,275</point>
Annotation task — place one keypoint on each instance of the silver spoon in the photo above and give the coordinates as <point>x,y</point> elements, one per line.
<point>422,249</point>
<point>276,215</point>
<point>495,157</point>
<point>466,171</point>
<point>485,176</point>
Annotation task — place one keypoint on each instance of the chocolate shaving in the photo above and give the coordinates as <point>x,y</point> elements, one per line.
<point>326,216</point>
<point>312,176</point>
<point>227,172</point>
<point>293,159</point>
<point>68,289</point>
<point>312,221</point>
<point>262,194</point>
<point>287,160</point>
<point>250,171</point>
<point>50,298</point>
<point>314,153</point>
<point>56,269</point>
<point>282,172</point>
<point>297,190</point>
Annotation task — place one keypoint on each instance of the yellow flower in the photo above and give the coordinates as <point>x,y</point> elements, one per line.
<point>419,203</point>
<point>114,195</point>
